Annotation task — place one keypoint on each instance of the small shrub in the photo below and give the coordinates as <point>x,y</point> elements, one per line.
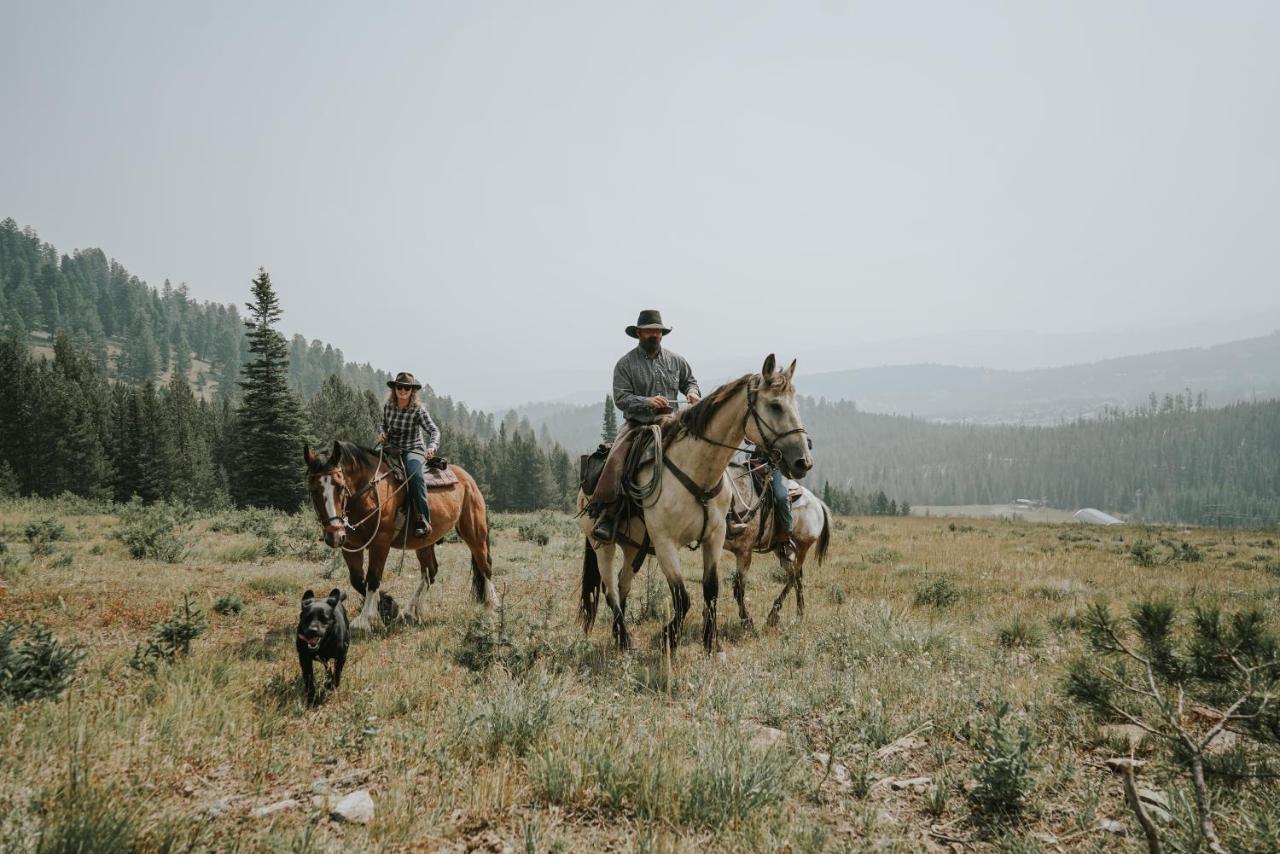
<point>538,530</point>
<point>250,520</point>
<point>172,638</point>
<point>149,531</point>
<point>1019,632</point>
<point>38,667</point>
<point>228,605</point>
<point>1185,552</point>
<point>882,554</point>
<point>42,533</point>
<point>512,715</point>
<point>1143,553</point>
<point>938,593</point>
<point>62,560</point>
<point>731,781</point>
<point>1003,774</point>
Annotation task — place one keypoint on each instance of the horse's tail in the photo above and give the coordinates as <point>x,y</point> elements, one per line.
<point>590,587</point>
<point>824,539</point>
<point>477,512</point>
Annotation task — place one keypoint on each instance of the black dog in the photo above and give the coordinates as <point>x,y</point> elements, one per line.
<point>323,634</point>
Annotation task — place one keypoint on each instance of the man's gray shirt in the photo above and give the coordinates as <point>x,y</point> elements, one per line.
<point>639,376</point>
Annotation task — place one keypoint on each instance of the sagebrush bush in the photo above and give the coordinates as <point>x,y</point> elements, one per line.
<point>937,593</point>
<point>882,554</point>
<point>1143,553</point>
<point>511,714</point>
<point>36,668</point>
<point>150,530</point>
<point>228,605</point>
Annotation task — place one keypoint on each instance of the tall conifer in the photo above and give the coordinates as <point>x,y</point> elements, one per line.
<point>270,424</point>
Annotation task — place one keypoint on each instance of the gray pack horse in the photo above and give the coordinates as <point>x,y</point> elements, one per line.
<point>812,527</point>
<point>688,497</point>
<point>353,482</point>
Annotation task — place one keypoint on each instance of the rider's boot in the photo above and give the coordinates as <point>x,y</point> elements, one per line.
<point>605,528</point>
<point>421,526</point>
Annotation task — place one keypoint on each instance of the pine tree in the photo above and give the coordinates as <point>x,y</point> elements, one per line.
<point>270,422</point>
<point>609,429</point>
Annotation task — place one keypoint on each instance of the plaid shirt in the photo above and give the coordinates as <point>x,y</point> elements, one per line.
<point>639,376</point>
<point>404,428</point>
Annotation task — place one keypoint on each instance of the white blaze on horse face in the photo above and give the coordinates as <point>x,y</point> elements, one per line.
<point>330,499</point>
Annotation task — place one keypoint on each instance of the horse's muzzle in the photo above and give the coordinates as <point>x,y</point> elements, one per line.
<point>335,539</point>
<point>800,466</point>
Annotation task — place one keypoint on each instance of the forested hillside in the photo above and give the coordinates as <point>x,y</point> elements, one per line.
<point>110,388</point>
<point>1172,460</point>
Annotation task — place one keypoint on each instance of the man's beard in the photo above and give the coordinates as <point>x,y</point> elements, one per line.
<point>651,345</point>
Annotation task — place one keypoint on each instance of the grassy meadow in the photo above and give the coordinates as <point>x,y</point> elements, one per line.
<point>863,726</point>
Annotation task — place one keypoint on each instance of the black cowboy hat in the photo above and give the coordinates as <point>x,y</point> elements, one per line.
<point>650,318</point>
<point>404,378</point>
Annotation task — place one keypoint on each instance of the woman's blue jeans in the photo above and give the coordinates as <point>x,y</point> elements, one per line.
<point>780,500</point>
<point>414,463</point>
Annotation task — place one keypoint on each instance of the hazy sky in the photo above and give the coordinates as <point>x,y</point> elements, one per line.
<point>773,176</point>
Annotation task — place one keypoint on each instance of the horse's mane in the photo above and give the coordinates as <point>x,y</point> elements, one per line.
<point>695,419</point>
<point>367,457</point>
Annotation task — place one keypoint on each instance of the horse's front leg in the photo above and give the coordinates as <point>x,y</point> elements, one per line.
<point>668,554</point>
<point>369,618</point>
<point>711,548</point>
<point>355,569</point>
<point>743,565</point>
<point>427,574</point>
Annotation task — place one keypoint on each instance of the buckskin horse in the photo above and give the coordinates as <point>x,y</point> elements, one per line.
<point>688,497</point>
<point>353,481</point>
<point>811,526</point>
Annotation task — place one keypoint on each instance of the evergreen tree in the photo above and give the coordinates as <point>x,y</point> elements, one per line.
<point>609,430</point>
<point>270,421</point>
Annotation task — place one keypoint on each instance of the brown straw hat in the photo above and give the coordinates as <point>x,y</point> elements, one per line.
<point>404,378</point>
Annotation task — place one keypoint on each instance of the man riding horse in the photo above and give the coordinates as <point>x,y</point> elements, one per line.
<point>646,382</point>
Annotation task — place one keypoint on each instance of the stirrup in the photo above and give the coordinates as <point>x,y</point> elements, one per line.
<point>604,529</point>
<point>421,527</point>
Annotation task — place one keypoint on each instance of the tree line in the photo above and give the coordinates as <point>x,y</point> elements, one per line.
<point>67,427</point>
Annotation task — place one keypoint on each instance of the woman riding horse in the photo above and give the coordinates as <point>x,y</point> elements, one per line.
<point>404,418</point>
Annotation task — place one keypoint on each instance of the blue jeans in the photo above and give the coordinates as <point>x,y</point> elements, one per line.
<point>780,500</point>
<point>414,463</point>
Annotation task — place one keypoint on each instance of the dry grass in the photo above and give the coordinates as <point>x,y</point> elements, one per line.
<point>915,635</point>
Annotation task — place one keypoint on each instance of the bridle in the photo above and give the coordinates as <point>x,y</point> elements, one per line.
<point>752,414</point>
<point>343,523</point>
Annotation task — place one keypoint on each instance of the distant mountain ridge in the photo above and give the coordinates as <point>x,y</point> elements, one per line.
<point>1226,373</point>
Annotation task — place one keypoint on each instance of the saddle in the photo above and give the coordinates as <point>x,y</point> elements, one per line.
<point>437,473</point>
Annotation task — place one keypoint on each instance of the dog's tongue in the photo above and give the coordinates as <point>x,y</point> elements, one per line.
<point>313,643</point>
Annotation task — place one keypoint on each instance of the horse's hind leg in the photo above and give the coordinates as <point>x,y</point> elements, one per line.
<point>740,588</point>
<point>355,569</point>
<point>610,580</point>
<point>427,567</point>
<point>799,564</point>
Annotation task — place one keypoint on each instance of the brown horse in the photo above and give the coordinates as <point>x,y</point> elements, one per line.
<point>350,481</point>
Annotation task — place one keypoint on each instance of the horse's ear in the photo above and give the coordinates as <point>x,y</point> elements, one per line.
<point>791,370</point>
<point>308,455</point>
<point>770,364</point>
<point>335,456</point>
